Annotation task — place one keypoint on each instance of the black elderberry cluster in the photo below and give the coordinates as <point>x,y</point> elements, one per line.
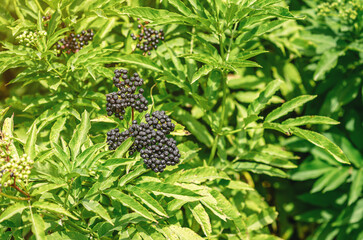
<point>155,148</point>
<point>127,84</point>
<point>148,39</point>
<point>75,42</point>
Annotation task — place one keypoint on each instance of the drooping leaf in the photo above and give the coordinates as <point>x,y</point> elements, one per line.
<point>12,210</point>
<point>38,226</point>
<point>129,202</point>
<point>256,106</point>
<point>288,107</point>
<point>96,207</point>
<point>147,199</point>
<point>321,141</point>
<point>80,135</point>
<point>52,207</point>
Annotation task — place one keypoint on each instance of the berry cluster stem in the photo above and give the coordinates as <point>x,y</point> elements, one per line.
<point>19,189</point>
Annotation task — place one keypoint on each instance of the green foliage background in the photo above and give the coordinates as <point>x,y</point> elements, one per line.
<point>270,92</point>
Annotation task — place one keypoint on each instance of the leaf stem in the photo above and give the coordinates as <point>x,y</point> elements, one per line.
<point>19,190</point>
<point>14,198</point>
<point>222,120</point>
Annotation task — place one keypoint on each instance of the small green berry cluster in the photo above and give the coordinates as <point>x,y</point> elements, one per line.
<point>29,38</point>
<point>12,169</point>
<point>341,8</point>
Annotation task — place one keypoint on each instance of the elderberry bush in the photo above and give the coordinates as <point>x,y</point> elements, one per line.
<point>156,149</point>
<point>148,38</point>
<point>75,42</point>
<point>127,84</point>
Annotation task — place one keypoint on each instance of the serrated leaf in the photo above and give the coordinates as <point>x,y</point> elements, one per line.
<point>197,175</point>
<point>147,200</point>
<point>38,226</point>
<point>12,210</point>
<point>80,135</point>
<point>96,207</point>
<point>129,202</point>
<point>29,147</point>
<point>260,220</point>
<point>305,120</point>
<point>323,142</point>
<point>62,156</point>
<point>139,60</point>
<point>257,105</point>
<point>170,190</point>
<point>328,61</point>
<point>88,154</point>
<point>52,207</point>
<point>56,129</point>
<point>205,70</point>
<point>356,187</point>
<point>139,170</point>
<point>178,4</point>
<point>46,188</point>
<point>184,233</point>
<point>121,150</point>
<point>259,169</point>
<point>201,216</point>
<point>288,107</point>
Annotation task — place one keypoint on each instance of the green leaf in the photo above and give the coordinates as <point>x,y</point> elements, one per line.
<point>260,220</point>
<point>57,129</point>
<point>88,154</point>
<point>138,60</point>
<point>230,210</point>
<point>29,147</point>
<point>3,112</point>
<point>205,70</point>
<point>12,210</point>
<point>46,188</point>
<point>121,150</point>
<point>62,156</point>
<point>80,135</point>
<point>178,4</point>
<point>325,180</point>
<point>184,233</point>
<point>201,216</point>
<point>288,107</point>
<point>170,190</point>
<point>323,142</point>
<point>150,14</point>
<point>196,175</point>
<point>96,207</point>
<point>305,120</point>
<point>194,126</point>
<point>338,180</point>
<point>259,169</point>
<point>356,187</point>
<point>147,200</point>
<point>129,202</point>
<point>38,227</point>
<point>52,207</point>
<point>139,170</point>
<point>328,61</point>
<point>256,106</point>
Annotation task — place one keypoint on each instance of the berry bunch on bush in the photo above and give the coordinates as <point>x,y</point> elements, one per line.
<point>127,84</point>
<point>12,169</point>
<point>148,38</point>
<point>75,42</point>
<point>156,149</point>
<point>30,38</point>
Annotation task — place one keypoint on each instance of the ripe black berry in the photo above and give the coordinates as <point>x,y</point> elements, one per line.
<point>148,38</point>
<point>150,139</point>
